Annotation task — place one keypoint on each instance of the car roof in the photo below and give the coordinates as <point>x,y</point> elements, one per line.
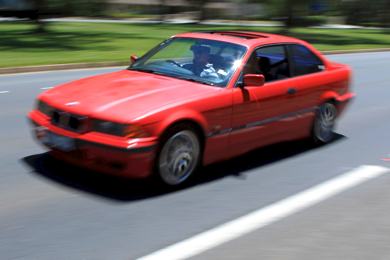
<point>246,38</point>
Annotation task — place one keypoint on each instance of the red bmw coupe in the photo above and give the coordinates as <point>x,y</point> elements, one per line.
<point>195,99</point>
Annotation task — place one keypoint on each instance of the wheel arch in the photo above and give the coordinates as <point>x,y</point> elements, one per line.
<point>186,122</point>
<point>194,120</point>
<point>330,97</point>
<point>174,126</point>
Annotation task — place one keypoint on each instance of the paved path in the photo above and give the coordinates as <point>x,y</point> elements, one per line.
<point>184,20</point>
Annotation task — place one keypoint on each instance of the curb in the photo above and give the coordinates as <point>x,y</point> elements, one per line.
<point>355,51</point>
<point>71,66</point>
<point>53,67</point>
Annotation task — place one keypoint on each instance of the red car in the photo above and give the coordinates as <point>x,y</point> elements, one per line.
<point>195,99</point>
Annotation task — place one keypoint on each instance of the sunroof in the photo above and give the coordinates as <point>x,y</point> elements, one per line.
<point>245,35</point>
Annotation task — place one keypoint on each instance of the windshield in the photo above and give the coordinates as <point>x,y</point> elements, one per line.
<point>204,61</point>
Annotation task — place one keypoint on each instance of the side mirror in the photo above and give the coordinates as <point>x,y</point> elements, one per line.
<point>133,59</point>
<point>254,80</point>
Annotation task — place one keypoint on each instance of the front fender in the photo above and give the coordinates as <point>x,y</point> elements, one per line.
<point>183,115</point>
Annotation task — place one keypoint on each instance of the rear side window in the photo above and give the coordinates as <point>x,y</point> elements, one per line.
<point>271,61</point>
<point>304,61</point>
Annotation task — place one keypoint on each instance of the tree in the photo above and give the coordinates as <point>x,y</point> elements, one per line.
<point>162,8</point>
<point>200,6</point>
<point>40,6</point>
<point>367,12</point>
<point>290,11</point>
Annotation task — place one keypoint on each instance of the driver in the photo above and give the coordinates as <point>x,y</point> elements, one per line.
<point>201,65</point>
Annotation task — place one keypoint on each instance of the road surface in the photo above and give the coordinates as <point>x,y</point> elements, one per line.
<point>50,210</point>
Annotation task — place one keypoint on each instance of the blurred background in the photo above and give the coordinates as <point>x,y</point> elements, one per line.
<point>63,29</point>
<point>55,211</point>
<point>289,12</point>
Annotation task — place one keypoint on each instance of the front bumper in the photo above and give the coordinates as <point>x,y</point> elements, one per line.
<point>97,151</point>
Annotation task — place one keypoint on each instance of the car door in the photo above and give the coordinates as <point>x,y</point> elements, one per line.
<point>262,115</point>
<point>306,70</point>
<point>309,80</point>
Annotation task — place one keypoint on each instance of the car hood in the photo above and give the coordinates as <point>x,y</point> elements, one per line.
<point>124,95</point>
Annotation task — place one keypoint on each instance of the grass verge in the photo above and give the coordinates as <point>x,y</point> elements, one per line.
<point>97,42</point>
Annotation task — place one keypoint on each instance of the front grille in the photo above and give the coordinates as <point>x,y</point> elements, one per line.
<point>71,122</point>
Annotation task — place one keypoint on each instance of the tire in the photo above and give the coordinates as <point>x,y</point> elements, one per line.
<point>324,123</point>
<point>179,156</point>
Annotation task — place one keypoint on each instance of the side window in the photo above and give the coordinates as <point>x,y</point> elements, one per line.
<point>270,61</point>
<point>304,61</point>
<point>273,62</point>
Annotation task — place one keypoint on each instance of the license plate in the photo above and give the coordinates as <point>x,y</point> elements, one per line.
<point>60,142</point>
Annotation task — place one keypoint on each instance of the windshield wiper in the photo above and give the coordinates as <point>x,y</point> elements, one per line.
<point>148,71</point>
<point>195,80</point>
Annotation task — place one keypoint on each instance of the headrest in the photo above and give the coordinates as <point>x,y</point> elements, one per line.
<point>200,48</point>
<point>264,61</point>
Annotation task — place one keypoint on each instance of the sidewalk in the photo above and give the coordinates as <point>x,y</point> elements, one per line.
<point>118,63</point>
<point>185,21</point>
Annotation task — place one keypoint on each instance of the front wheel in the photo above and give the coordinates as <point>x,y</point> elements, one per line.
<point>179,157</point>
<point>324,123</point>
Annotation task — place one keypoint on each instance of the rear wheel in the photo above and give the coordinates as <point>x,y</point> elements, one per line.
<point>324,123</point>
<point>179,156</point>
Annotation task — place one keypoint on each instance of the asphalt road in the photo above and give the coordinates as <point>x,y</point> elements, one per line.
<point>50,210</point>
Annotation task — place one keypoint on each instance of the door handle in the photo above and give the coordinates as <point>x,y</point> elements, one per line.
<point>291,91</point>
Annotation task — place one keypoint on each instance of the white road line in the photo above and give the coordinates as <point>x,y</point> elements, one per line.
<point>4,92</point>
<point>47,88</point>
<point>265,216</point>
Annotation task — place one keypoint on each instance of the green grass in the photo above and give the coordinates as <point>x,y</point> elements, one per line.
<point>97,42</point>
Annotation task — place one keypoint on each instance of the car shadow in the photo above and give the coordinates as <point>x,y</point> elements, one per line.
<point>124,190</point>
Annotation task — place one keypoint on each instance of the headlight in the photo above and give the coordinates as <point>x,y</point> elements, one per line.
<point>44,108</point>
<point>129,131</point>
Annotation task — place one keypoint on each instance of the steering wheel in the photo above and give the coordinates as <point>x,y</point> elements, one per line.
<point>174,63</point>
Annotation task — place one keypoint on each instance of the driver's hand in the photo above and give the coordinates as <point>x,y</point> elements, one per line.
<point>209,72</point>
